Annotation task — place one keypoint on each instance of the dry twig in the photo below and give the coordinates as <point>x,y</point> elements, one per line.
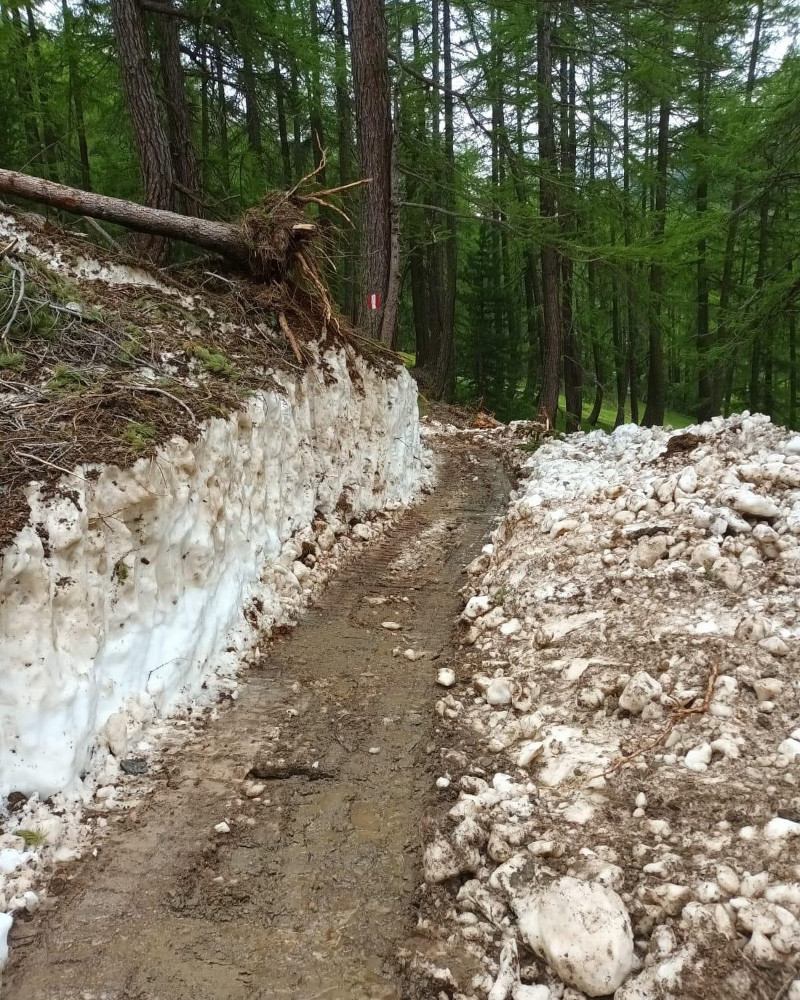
<point>678,715</point>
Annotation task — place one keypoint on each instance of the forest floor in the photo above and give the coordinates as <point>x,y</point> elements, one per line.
<point>279,854</point>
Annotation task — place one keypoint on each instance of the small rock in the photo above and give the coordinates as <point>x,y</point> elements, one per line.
<point>499,692</point>
<point>779,828</point>
<point>751,504</point>
<point>222,827</point>
<point>699,758</point>
<point>639,691</point>
<point>476,606</point>
<point>446,677</point>
<point>391,626</point>
<point>687,480</point>
<point>115,734</point>
<point>374,750</point>
<point>775,645</point>
<point>649,550</point>
<point>768,688</point>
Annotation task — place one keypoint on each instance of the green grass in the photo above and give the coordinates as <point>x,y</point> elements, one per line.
<point>608,414</point>
<point>32,838</point>
<point>138,435</point>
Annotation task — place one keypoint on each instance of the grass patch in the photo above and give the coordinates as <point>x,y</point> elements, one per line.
<point>213,361</point>
<point>608,414</point>
<point>65,378</point>
<point>12,360</point>
<point>139,435</point>
<point>32,838</point>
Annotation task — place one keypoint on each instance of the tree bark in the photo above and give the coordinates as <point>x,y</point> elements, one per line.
<point>374,131</point>
<point>548,207</point>
<point>315,95</point>
<point>280,108</point>
<point>222,237</point>
<point>756,350</point>
<point>573,373</point>
<point>76,96</point>
<point>155,162</point>
<point>726,282</point>
<point>344,114</point>
<point>443,382</point>
<point>656,389</point>
<point>705,402</point>
<point>184,162</point>
<point>222,112</point>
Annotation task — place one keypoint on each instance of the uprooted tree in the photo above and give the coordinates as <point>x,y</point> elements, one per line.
<point>273,241</point>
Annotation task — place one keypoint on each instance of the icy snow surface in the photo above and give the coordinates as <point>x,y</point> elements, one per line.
<point>623,737</point>
<point>126,587</point>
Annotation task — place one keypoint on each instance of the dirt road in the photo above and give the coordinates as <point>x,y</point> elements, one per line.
<point>309,894</point>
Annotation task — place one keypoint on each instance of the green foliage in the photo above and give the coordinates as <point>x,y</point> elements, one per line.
<point>32,838</point>
<point>66,378</point>
<point>285,76</point>
<point>139,436</point>
<point>213,361</point>
<point>13,360</point>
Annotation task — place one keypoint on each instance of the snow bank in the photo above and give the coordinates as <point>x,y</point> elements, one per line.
<point>624,734</point>
<point>127,590</point>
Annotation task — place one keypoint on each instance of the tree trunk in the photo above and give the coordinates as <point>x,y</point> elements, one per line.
<point>444,372</point>
<point>205,125</point>
<point>155,162</point>
<point>280,108</point>
<point>252,112</point>
<point>755,354</point>
<point>792,369</point>
<point>40,93</point>
<point>551,292</point>
<point>348,244</point>
<point>25,90</point>
<point>374,131</point>
<point>222,111</point>
<point>222,237</point>
<point>315,96</point>
<point>726,283</point>
<point>656,389</point>
<point>573,372</point>
<point>184,163</point>
<point>76,96</point>
<point>705,402</point>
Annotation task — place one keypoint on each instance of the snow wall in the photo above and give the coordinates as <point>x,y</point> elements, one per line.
<point>128,588</point>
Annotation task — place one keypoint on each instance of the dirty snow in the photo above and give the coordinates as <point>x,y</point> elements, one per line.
<point>620,813</point>
<point>135,596</point>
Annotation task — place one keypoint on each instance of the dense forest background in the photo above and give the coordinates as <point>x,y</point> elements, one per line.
<point>594,205</point>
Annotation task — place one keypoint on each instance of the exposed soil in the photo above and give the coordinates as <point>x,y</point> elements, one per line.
<point>311,893</point>
<point>104,370</point>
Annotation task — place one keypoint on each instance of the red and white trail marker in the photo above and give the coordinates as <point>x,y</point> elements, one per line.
<point>373,300</point>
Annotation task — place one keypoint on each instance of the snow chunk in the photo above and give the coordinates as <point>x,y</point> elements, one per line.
<point>582,930</point>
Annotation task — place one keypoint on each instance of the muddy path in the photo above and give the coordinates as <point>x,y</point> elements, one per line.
<point>310,893</point>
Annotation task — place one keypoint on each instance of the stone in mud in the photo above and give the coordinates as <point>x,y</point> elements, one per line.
<point>581,929</point>
<point>445,858</point>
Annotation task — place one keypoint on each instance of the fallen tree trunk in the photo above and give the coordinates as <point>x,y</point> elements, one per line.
<point>224,238</point>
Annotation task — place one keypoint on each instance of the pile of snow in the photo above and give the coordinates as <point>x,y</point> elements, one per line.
<point>620,811</point>
<point>138,594</point>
